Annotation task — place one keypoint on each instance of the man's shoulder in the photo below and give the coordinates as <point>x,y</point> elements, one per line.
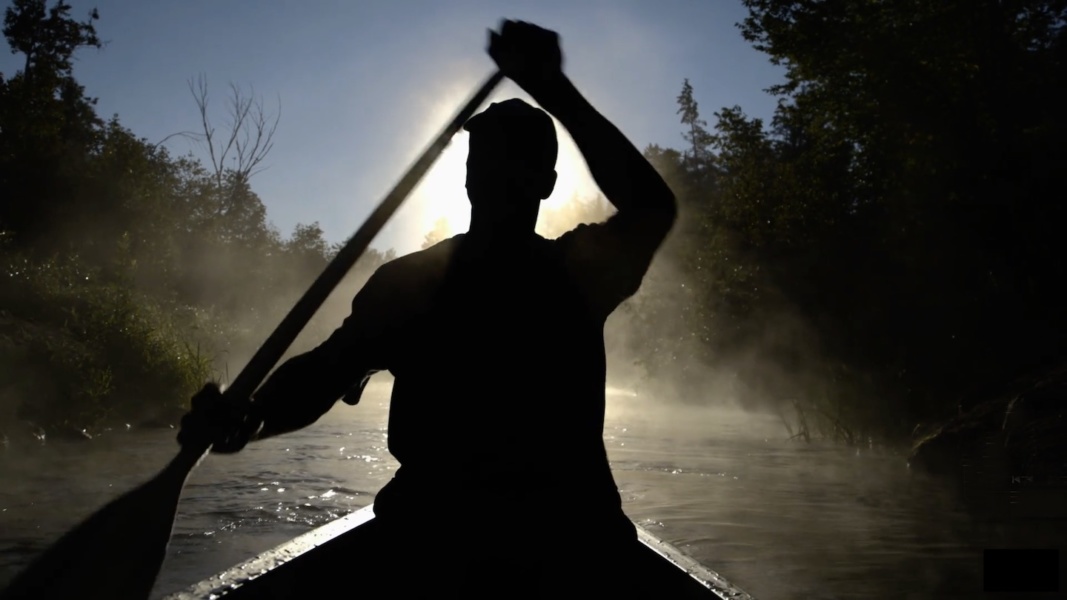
<point>436,255</point>
<point>579,235</point>
<point>420,265</point>
<point>645,229</point>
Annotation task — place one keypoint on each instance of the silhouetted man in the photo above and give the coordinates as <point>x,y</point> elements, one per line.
<point>495,340</point>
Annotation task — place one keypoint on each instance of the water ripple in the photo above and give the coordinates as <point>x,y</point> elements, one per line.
<point>781,520</point>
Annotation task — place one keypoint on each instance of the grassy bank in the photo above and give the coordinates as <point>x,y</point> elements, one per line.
<point>80,351</point>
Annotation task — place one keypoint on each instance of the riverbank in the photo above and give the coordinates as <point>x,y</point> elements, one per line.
<point>79,353</point>
<point>1005,453</point>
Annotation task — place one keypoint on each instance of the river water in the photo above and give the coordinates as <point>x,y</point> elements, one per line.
<point>780,519</point>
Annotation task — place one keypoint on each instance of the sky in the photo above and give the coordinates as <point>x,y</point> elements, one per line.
<point>363,87</point>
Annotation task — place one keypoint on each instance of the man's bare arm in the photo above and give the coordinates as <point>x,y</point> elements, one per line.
<point>303,389</point>
<point>307,386</point>
<point>531,57</point>
<point>624,176</point>
<point>607,261</point>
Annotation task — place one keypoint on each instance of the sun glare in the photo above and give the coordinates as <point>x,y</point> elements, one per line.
<point>442,195</point>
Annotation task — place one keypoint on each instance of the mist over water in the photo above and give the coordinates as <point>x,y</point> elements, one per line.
<point>818,287</point>
<point>779,519</point>
<point>702,460</point>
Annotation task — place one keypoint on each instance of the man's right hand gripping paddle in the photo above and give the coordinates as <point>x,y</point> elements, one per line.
<point>224,423</point>
<point>528,55</point>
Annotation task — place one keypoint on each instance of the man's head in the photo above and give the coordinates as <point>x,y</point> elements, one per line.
<point>510,164</point>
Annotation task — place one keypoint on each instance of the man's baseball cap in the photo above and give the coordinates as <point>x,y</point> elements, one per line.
<point>522,131</point>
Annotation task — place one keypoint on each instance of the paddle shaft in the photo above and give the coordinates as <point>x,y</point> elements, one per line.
<point>268,355</point>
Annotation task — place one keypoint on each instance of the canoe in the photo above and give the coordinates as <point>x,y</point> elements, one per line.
<point>284,571</point>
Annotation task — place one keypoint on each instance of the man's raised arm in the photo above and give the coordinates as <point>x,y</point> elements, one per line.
<point>625,177</point>
<point>606,261</point>
<point>531,57</point>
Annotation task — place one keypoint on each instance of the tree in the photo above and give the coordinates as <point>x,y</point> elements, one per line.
<point>249,138</point>
<point>900,190</point>
<point>697,156</point>
<point>47,37</point>
<point>308,245</point>
<point>553,222</point>
<point>236,153</point>
<point>48,126</point>
<point>439,233</point>
<point>134,272</point>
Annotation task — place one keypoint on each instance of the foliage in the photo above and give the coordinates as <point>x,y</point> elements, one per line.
<point>554,221</point>
<point>132,275</point>
<point>887,241</point>
<point>439,233</point>
<point>697,156</point>
<point>98,349</point>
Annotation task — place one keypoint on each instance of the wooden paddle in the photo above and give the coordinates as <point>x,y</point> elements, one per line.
<point>118,551</point>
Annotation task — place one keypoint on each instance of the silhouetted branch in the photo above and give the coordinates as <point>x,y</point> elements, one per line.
<point>248,141</point>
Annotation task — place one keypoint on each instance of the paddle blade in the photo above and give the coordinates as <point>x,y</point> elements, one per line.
<point>115,553</point>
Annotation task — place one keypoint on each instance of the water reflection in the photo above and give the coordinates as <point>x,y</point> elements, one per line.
<point>779,519</point>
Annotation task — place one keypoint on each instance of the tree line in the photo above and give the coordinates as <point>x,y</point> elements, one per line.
<point>884,246</point>
<point>887,246</point>
<point>132,275</point>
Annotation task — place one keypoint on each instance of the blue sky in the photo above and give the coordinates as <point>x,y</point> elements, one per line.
<point>364,86</point>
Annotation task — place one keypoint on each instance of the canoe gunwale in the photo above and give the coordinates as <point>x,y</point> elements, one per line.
<point>232,579</point>
<point>716,583</point>
<point>222,583</point>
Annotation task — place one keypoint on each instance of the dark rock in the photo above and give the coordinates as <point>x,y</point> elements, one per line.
<point>1021,432</point>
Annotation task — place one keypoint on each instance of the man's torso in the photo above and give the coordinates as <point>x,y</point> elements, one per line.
<point>499,373</point>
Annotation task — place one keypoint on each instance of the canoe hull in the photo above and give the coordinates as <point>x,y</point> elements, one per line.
<point>330,557</point>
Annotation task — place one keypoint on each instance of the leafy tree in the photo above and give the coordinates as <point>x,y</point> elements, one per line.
<point>554,221</point>
<point>47,37</point>
<point>697,156</point>
<point>48,126</point>
<point>135,273</point>
<point>439,233</point>
<point>897,202</point>
<point>307,243</point>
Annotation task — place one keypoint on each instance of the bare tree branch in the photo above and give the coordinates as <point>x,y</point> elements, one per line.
<point>247,142</point>
<point>191,135</point>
